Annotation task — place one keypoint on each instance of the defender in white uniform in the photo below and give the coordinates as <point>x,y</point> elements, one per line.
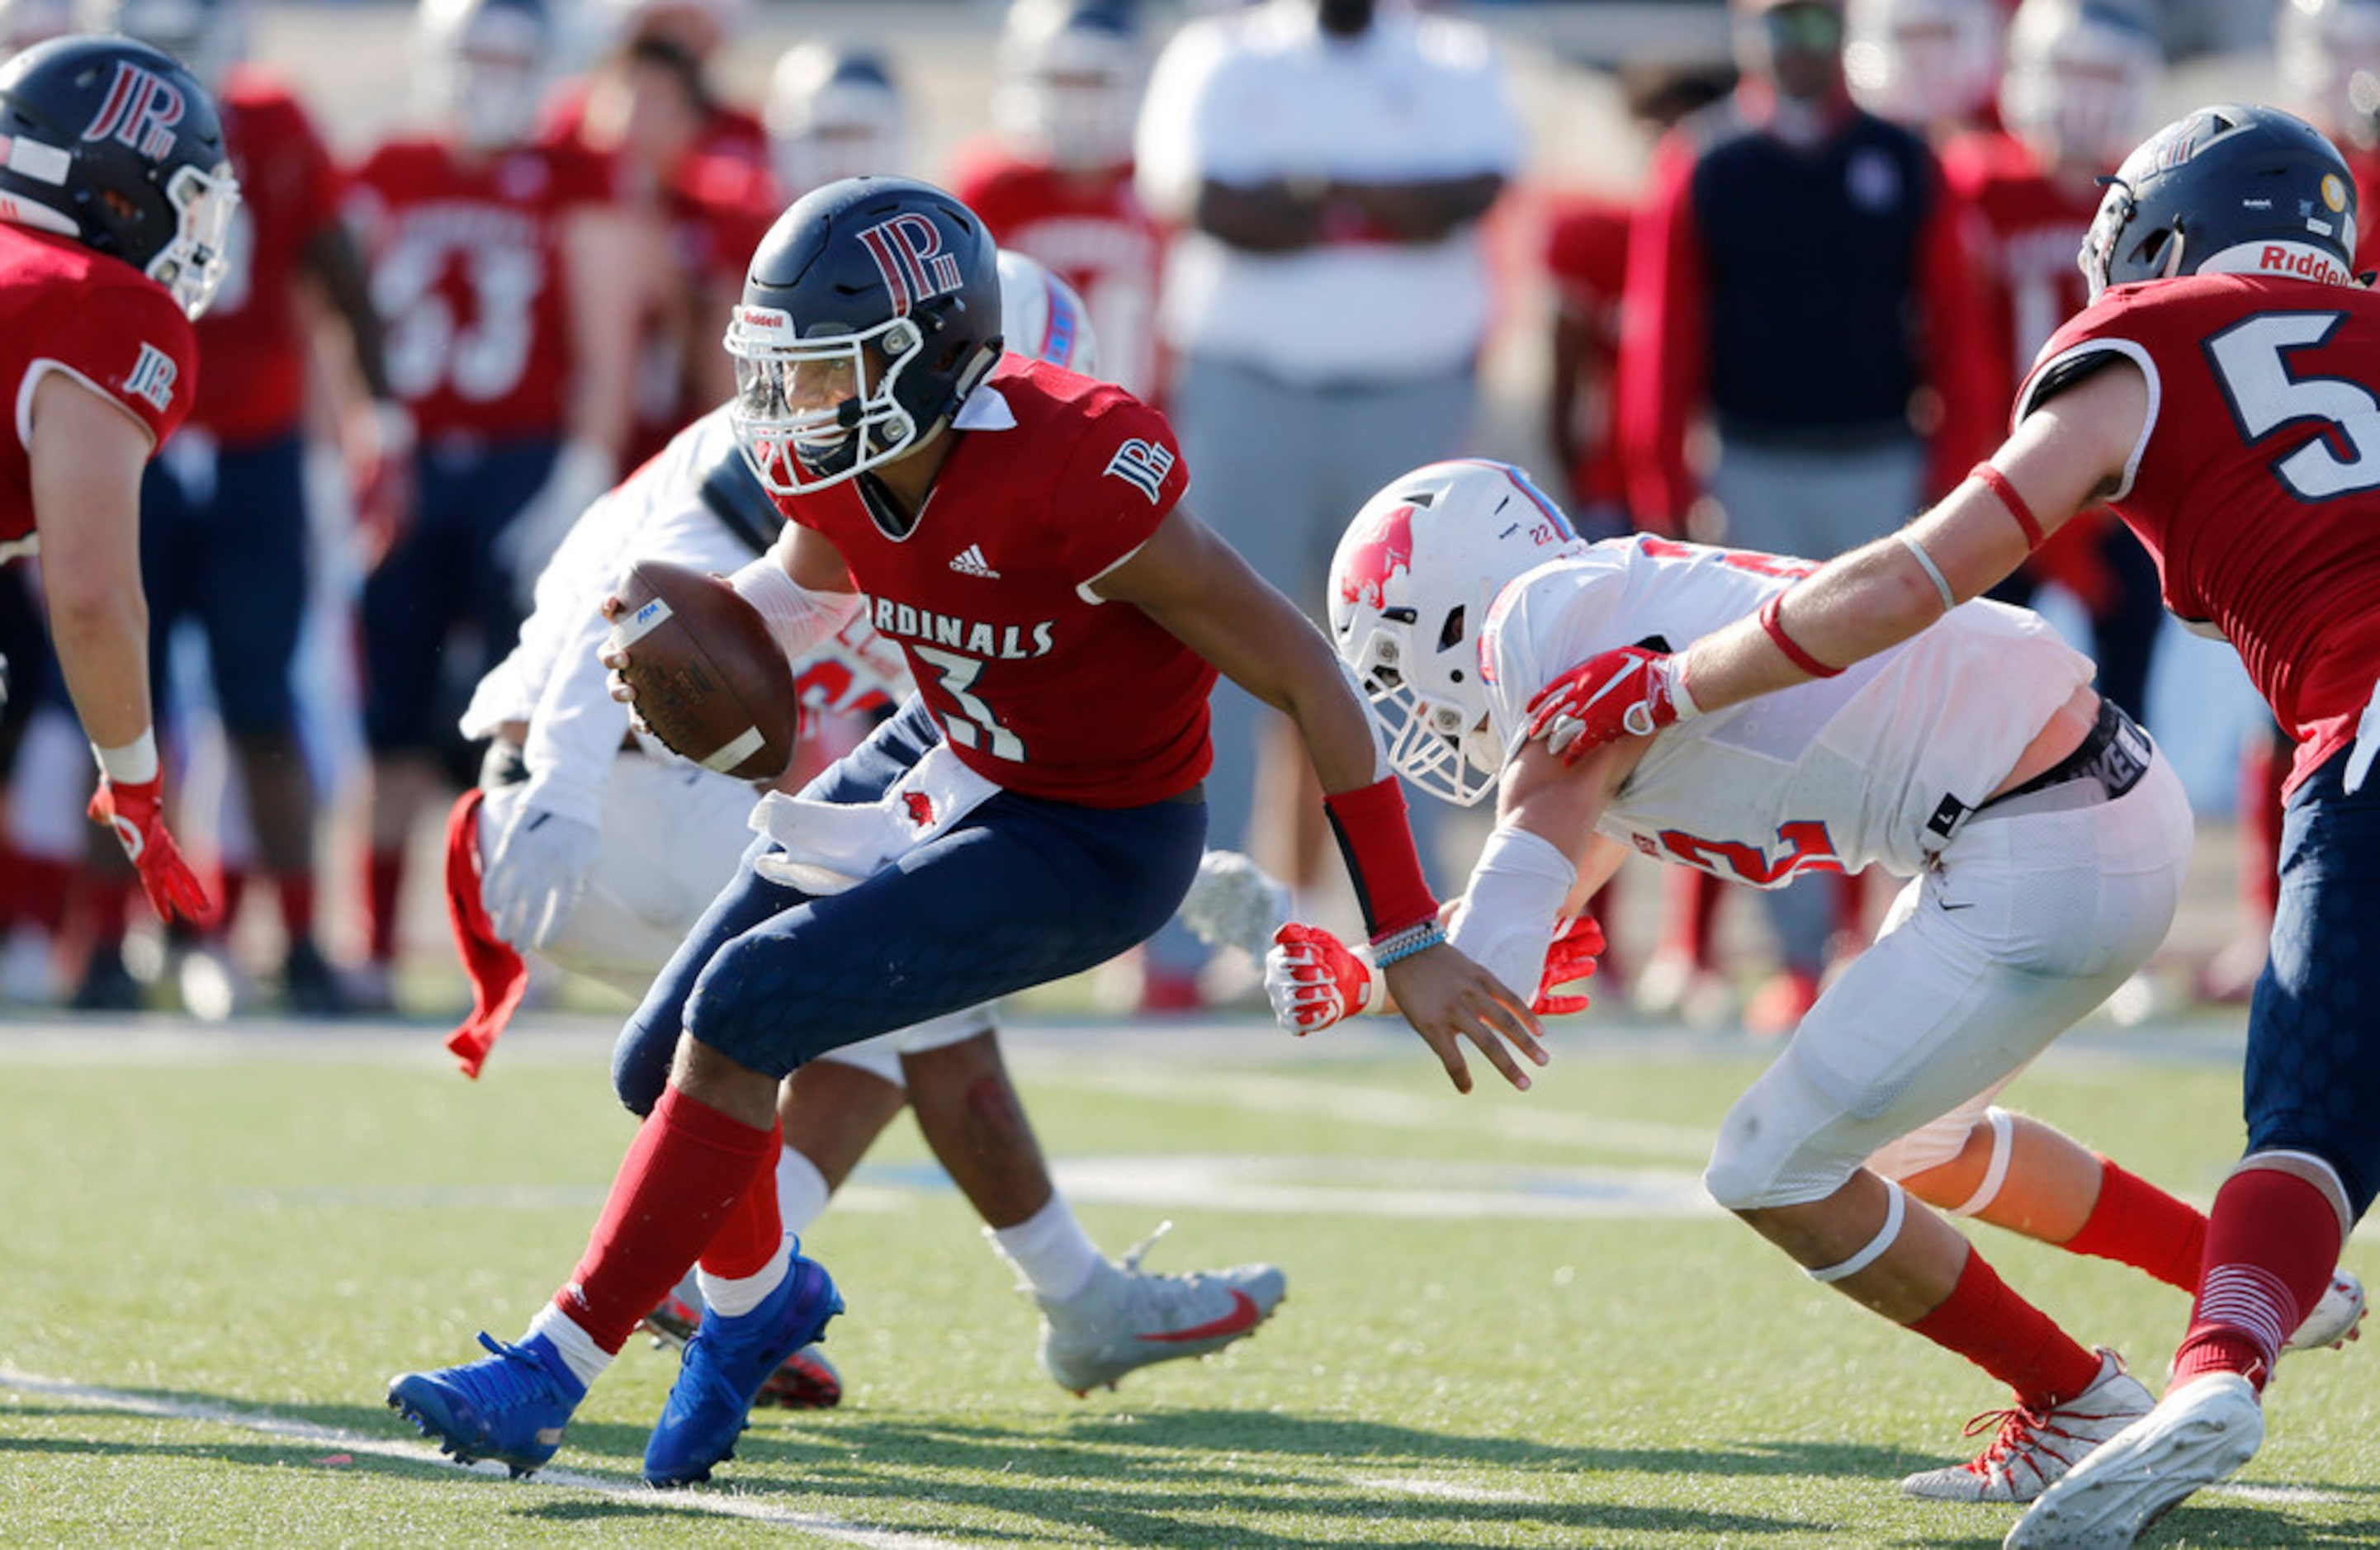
<point>599,852</point>
<point>2045,840</point>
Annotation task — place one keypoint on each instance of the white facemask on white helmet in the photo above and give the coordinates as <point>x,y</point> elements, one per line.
<point>2079,74</point>
<point>1919,62</point>
<point>1411,586</point>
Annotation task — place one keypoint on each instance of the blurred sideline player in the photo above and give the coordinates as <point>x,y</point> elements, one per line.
<point>509,280</point>
<point>2046,838</point>
<point>1032,811</point>
<point>224,523</point>
<point>834,111</point>
<point>118,195</point>
<point>1054,179</point>
<point>2328,55</point>
<point>1932,66</point>
<point>599,856</point>
<point>2214,394</point>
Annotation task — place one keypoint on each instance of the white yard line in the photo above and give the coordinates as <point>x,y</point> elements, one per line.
<point>723,1503</point>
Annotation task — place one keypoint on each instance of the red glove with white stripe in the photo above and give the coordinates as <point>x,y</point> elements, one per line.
<point>1313,980</point>
<point>136,812</point>
<point>1629,692</point>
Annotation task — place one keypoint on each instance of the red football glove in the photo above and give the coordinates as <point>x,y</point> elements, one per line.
<point>1313,980</point>
<point>1573,957</point>
<point>1625,692</point>
<point>137,814</point>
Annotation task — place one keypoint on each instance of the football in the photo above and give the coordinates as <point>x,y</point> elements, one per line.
<point>710,682</point>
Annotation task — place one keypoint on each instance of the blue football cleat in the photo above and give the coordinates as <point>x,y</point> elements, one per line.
<point>724,1368</point>
<point>510,1407</point>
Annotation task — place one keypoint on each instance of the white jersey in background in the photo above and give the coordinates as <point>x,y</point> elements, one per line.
<point>1830,776</point>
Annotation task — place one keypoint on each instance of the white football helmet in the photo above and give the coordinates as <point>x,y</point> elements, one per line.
<point>2080,73</point>
<point>1410,590</point>
<point>483,66</point>
<point>1044,316</point>
<point>1069,82</point>
<point>2330,57</point>
<point>833,113</point>
<point>1920,62</point>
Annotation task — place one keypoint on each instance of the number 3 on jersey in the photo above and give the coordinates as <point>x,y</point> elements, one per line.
<point>976,725</point>
<point>2252,361</point>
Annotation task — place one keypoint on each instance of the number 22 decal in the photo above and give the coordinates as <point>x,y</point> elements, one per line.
<point>2252,363</point>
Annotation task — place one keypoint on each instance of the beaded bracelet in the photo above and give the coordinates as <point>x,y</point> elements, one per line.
<point>1400,945</point>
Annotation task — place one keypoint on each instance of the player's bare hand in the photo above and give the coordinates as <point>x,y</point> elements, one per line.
<point>1449,999</point>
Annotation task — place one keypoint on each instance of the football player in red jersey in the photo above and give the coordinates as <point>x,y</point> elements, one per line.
<point>224,519</point>
<point>2214,394</point>
<point>1054,181</point>
<point>2328,52</point>
<point>116,200</point>
<point>509,280</point>
<point>833,111</point>
<point>1032,811</point>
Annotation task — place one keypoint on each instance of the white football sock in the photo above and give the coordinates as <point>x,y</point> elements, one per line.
<point>735,1299</point>
<point>579,1352</point>
<point>1049,1249</point>
<point>801,1192</point>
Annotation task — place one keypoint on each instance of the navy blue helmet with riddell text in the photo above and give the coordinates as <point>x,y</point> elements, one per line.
<point>2228,189</point>
<point>116,145</point>
<point>870,310</point>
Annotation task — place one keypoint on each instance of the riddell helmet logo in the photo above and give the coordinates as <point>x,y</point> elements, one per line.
<point>1381,553</point>
<point>908,253</point>
<point>140,111</point>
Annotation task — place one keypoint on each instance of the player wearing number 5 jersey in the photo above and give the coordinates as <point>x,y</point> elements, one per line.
<point>1017,530</point>
<point>2045,839</point>
<point>508,284</point>
<point>2216,393</point>
<point>115,197</point>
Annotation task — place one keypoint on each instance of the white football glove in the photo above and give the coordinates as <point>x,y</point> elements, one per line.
<point>532,877</point>
<point>1314,979</point>
<point>1235,902</point>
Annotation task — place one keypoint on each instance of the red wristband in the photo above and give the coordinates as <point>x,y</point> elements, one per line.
<point>1991,479</point>
<point>1377,843</point>
<point>1772,619</point>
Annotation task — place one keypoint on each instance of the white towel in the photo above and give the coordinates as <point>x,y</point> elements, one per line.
<point>828,847</point>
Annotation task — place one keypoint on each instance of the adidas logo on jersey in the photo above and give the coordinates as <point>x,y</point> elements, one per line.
<point>970,562</point>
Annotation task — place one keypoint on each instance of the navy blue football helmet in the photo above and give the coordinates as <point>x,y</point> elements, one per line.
<point>115,144</point>
<point>2228,189</point>
<point>871,310</point>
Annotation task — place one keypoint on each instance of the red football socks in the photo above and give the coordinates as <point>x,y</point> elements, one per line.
<point>746,1240</point>
<point>2135,1223</point>
<point>2272,1242</point>
<point>384,880</point>
<point>2008,1337</point>
<point>685,1174</point>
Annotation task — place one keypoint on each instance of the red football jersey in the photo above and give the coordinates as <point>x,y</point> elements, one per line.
<point>1093,231</point>
<point>716,209</point>
<point>65,307</point>
<point>2025,230</point>
<point>2364,162</point>
<point>1586,259</point>
<point>1036,686</point>
<point>466,267</point>
<point>253,338</point>
<point>2256,485</point>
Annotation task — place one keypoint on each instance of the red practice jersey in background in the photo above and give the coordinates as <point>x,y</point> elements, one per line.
<point>65,308</point>
<point>2258,477</point>
<point>253,337</point>
<point>1586,259</point>
<point>466,271</point>
<point>1036,686</point>
<point>1093,231</point>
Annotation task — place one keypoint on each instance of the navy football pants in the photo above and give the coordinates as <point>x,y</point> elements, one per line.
<point>1022,892</point>
<point>2313,1028</point>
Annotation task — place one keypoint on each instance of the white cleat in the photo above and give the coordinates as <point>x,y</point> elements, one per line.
<point>2203,1432</point>
<point>1126,1318</point>
<point>2337,1316</point>
<point>2035,1448</point>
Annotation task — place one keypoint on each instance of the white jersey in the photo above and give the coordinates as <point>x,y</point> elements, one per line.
<point>1875,765</point>
<point>552,680</point>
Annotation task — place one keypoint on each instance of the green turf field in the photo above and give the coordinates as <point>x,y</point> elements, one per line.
<point>1512,1320</point>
